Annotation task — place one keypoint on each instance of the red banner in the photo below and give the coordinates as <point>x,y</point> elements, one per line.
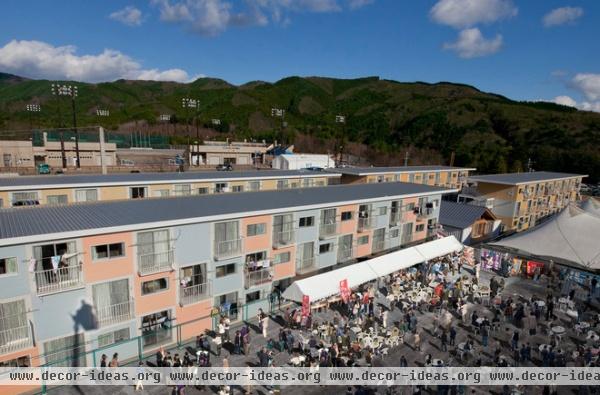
<point>305,305</point>
<point>532,265</point>
<point>344,291</point>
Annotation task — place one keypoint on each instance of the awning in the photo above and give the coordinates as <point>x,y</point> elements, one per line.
<point>439,247</point>
<point>324,285</point>
<point>396,261</point>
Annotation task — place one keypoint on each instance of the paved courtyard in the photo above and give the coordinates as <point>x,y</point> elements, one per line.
<point>430,344</point>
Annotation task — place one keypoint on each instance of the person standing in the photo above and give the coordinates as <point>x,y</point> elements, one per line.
<point>114,363</point>
<point>452,336</point>
<point>103,359</point>
<point>218,344</point>
<point>444,340</point>
<point>265,325</point>
<point>139,385</point>
<point>417,340</point>
<point>484,335</point>
<point>237,342</point>
<point>246,342</point>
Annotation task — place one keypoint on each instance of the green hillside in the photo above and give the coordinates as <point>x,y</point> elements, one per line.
<point>484,130</point>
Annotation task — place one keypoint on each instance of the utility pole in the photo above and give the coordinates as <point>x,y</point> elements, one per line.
<point>341,119</point>
<point>452,159</point>
<point>406,159</point>
<point>280,113</point>
<point>529,165</point>
<point>73,94</point>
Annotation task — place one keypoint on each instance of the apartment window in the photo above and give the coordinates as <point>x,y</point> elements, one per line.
<point>252,296</point>
<point>253,186</point>
<point>394,233</point>
<point>282,257</point>
<point>224,270</point>
<point>306,222</point>
<point>113,337</point>
<point>14,323</point>
<point>162,193</point>
<point>182,189</point>
<point>21,362</point>
<point>153,286</point>
<point>44,254</point>
<point>1,205</point>
<point>202,191</point>
<point>383,210</point>
<point>283,229</point>
<point>237,188</point>
<point>220,187</point>
<point>420,228</point>
<point>24,197</point>
<point>86,195</point>
<point>138,192</point>
<point>63,350</point>
<point>410,207</point>
<point>154,249</point>
<point>362,240</point>
<point>256,257</point>
<point>346,215</point>
<point>256,229</point>
<point>325,248</point>
<point>308,182</point>
<point>108,251</point>
<point>282,184</point>
<point>57,199</point>
<point>8,266</point>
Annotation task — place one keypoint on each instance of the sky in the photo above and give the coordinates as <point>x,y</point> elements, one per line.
<point>523,49</point>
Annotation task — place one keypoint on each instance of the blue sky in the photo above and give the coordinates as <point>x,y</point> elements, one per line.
<point>526,50</point>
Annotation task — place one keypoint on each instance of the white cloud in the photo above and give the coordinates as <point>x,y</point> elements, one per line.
<point>472,44</point>
<point>565,101</point>
<point>569,101</point>
<point>355,4</point>
<point>37,59</point>
<point>588,84</point>
<point>467,13</point>
<point>562,16</point>
<point>129,16</point>
<point>213,17</point>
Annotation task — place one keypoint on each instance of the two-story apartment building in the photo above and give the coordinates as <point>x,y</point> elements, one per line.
<point>65,189</point>
<point>521,200</point>
<point>444,176</point>
<point>76,278</point>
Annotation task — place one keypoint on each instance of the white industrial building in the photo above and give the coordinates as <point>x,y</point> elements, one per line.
<point>302,161</point>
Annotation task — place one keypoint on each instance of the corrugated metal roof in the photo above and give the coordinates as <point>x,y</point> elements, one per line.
<point>361,171</point>
<point>523,178</point>
<point>22,182</point>
<point>44,220</point>
<point>459,215</point>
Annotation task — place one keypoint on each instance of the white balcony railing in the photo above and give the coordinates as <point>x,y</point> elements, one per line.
<point>193,293</point>
<point>365,223</point>
<point>155,262</point>
<point>258,277</point>
<point>228,248</point>
<point>15,339</point>
<point>58,280</point>
<point>305,265</point>
<point>283,239</point>
<point>113,314</point>
<point>345,254</point>
<point>328,229</point>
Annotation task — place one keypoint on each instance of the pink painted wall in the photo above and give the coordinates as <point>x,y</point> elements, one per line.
<point>351,225</point>
<point>107,269</point>
<point>161,300</point>
<point>259,242</point>
<point>365,249</point>
<point>410,216</point>
<point>199,313</point>
<point>285,270</point>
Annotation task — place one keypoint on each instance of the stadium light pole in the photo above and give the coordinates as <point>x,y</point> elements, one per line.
<point>188,103</point>
<point>279,113</point>
<point>57,91</point>
<point>32,109</point>
<point>341,119</point>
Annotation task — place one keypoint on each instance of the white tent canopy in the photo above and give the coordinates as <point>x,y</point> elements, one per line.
<point>439,247</point>
<point>571,237</point>
<point>327,284</point>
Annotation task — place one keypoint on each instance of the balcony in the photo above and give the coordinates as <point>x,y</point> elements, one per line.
<point>228,249</point>
<point>395,217</point>
<point>328,229</point>
<point>258,277</point>
<point>365,223</point>
<point>113,314</point>
<point>15,339</point>
<point>155,262</point>
<point>283,239</point>
<point>379,245</point>
<point>345,254</point>
<point>58,280</point>
<point>193,293</point>
<point>305,265</point>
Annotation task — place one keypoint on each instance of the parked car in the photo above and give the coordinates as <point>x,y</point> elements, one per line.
<point>225,167</point>
<point>584,188</point>
<point>314,168</point>
<point>43,168</point>
<point>21,203</point>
